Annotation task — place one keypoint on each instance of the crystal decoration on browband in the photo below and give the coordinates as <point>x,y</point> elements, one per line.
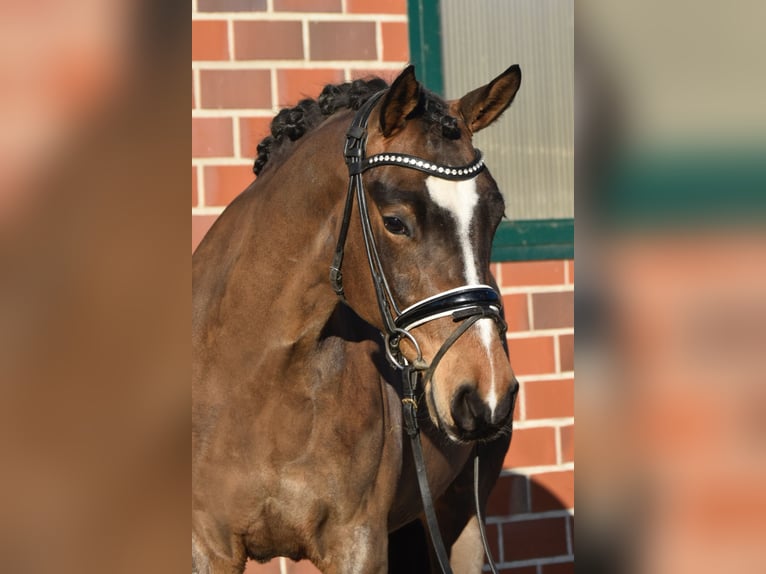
<point>444,171</point>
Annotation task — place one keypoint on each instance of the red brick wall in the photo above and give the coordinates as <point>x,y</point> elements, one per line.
<point>530,515</point>
<point>250,58</point>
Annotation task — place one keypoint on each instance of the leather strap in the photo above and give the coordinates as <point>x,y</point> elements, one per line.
<point>410,377</point>
<point>413,162</point>
<point>353,152</point>
<point>446,303</point>
<point>410,407</point>
<point>467,304</point>
<point>479,517</point>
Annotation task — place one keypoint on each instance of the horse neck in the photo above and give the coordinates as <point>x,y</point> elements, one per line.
<point>264,266</point>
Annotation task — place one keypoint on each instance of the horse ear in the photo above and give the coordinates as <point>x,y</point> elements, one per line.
<point>399,101</point>
<point>484,105</point>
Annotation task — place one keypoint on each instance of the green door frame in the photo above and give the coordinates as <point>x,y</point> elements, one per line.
<point>424,20</point>
<point>526,240</point>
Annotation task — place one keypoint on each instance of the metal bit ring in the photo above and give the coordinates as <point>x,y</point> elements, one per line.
<point>392,348</point>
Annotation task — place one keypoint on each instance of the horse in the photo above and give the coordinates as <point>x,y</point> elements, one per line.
<point>299,409</point>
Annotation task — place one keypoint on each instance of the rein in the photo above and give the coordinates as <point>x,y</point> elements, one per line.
<point>466,305</point>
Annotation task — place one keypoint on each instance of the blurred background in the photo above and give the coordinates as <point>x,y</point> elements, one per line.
<point>94,286</point>
<point>670,308</point>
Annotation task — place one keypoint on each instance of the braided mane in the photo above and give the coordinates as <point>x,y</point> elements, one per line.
<point>292,123</point>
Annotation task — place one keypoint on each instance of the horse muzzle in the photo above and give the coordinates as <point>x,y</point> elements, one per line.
<point>475,419</point>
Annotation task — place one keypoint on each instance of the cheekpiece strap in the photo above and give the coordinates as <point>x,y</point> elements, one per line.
<point>413,162</point>
<point>356,136</point>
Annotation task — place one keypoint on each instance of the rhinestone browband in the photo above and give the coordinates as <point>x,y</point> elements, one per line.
<point>413,162</point>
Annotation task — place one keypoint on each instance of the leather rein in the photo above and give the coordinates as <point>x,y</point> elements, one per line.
<point>466,305</point>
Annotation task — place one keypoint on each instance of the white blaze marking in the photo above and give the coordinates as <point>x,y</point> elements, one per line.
<point>460,199</point>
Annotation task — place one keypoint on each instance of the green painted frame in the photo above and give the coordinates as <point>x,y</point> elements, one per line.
<point>526,240</point>
<point>534,239</point>
<point>426,42</point>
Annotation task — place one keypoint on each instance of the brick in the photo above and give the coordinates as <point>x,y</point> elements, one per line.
<point>533,355</point>
<point>342,41</point>
<point>559,568</point>
<point>566,352</point>
<point>567,443</point>
<point>396,47</point>
<point>194,99</point>
<point>525,273</point>
<point>225,182</point>
<point>212,137</point>
<point>195,195</point>
<point>549,399</point>
<point>268,40</point>
<point>251,132</point>
<point>529,539</point>
<point>231,5</point>
<point>376,6</point>
<point>210,40</point>
<point>553,310</point>
<point>531,447</point>
<point>295,85</point>
<point>307,5</point>
<point>509,496</point>
<point>235,89</point>
<point>552,491</point>
<point>200,225</point>
<point>516,312</point>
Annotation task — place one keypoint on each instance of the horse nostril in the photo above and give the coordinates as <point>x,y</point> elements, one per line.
<point>469,412</point>
<point>504,408</point>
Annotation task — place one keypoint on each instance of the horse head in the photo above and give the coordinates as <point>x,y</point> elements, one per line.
<point>431,229</point>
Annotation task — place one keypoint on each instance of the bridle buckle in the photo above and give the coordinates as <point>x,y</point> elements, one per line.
<point>353,151</point>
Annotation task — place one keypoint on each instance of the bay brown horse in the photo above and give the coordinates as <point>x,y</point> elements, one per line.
<point>298,444</point>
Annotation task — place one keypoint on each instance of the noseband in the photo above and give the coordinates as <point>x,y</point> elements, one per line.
<point>466,305</point>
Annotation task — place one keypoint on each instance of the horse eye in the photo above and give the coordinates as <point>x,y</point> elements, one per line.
<point>395,225</point>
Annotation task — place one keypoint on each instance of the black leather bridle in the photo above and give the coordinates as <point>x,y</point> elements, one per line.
<point>466,305</point>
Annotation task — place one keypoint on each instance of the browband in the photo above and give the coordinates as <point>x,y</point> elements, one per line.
<point>413,162</point>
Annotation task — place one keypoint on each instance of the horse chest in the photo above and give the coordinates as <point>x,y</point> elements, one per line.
<point>347,468</point>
